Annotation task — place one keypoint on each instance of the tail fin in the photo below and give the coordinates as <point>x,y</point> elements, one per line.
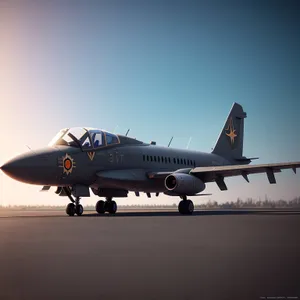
<point>231,138</point>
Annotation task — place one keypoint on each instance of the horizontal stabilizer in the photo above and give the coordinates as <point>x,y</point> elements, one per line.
<point>246,159</point>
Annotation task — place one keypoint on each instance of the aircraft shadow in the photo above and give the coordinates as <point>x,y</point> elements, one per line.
<point>175,213</point>
<point>196,213</point>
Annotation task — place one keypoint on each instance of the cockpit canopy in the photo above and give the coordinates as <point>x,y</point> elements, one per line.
<point>84,138</point>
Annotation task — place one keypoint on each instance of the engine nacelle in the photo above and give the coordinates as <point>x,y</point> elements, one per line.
<point>184,184</point>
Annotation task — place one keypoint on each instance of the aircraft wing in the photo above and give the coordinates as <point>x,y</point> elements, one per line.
<point>218,173</point>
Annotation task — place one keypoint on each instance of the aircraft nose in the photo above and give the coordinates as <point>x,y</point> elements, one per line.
<point>12,167</point>
<point>17,168</point>
<point>5,167</point>
<point>31,168</point>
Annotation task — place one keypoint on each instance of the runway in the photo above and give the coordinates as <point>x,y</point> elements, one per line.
<point>154,254</point>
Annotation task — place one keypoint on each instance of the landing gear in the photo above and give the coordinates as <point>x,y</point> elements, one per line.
<point>70,210</point>
<point>74,208</point>
<point>109,206</point>
<point>186,207</point>
<point>79,209</point>
<point>100,207</point>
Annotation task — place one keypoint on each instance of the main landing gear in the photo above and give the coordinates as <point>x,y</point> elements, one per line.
<point>74,208</point>
<point>109,206</point>
<point>185,206</point>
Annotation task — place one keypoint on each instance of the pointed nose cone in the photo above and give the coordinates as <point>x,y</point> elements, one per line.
<point>16,168</point>
<point>9,167</point>
<point>34,168</point>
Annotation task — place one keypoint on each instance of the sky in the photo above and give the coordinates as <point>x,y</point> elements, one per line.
<point>160,68</point>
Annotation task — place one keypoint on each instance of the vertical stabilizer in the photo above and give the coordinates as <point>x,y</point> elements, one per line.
<point>231,138</point>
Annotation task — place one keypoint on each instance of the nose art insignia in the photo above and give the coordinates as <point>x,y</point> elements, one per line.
<point>91,155</point>
<point>67,163</point>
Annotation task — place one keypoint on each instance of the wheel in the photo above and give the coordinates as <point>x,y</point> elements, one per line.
<point>70,210</point>
<point>181,206</point>
<point>111,207</point>
<point>100,207</point>
<point>189,207</point>
<point>106,206</point>
<point>79,209</point>
<point>186,207</point>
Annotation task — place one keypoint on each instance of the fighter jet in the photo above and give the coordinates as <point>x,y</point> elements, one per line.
<point>80,160</point>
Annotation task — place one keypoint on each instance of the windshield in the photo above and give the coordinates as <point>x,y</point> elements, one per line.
<point>57,137</point>
<point>70,137</point>
<point>83,138</point>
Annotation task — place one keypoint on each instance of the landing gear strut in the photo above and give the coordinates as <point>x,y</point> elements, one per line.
<point>109,206</point>
<point>75,207</point>
<point>185,206</point>
<point>78,207</point>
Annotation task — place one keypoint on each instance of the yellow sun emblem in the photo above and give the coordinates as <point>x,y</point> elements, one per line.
<point>68,164</point>
<point>231,130</point>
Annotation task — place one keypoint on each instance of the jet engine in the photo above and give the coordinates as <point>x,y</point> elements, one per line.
<point>184,184</point>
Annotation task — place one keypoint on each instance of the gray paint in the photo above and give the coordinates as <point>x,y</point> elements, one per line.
<point>116,169</point>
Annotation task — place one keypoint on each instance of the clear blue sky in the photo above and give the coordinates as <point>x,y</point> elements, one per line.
<point>161,68</point>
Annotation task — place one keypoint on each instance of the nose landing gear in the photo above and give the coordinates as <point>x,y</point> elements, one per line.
<point>75,207</point>
<point>70,210</point>
<point>78,207</point>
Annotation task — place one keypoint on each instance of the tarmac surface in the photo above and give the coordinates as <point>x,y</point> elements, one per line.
<point>158,254</point>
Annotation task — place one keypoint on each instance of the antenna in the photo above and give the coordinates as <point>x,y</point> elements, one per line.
<point>30,149</point>
<point>187,147</point>
<point>115,128</point>
<point>170,141</point>
<point>127,132</point>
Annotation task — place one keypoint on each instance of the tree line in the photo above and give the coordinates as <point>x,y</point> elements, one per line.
<point>239,203</point>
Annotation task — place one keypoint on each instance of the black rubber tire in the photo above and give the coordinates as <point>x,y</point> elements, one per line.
<point>79,210</point>
<point>186,207</point>
<point>106,206</point>
<point>70,209</point>
<point>181,207</point>
<point>111,207</point>
<point>100,207</point>
<point>189,207</point>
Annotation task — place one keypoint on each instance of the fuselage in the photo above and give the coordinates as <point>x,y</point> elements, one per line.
<point>46,166</point>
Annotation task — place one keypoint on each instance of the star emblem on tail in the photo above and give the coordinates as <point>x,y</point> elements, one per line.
<point>230,131</point>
